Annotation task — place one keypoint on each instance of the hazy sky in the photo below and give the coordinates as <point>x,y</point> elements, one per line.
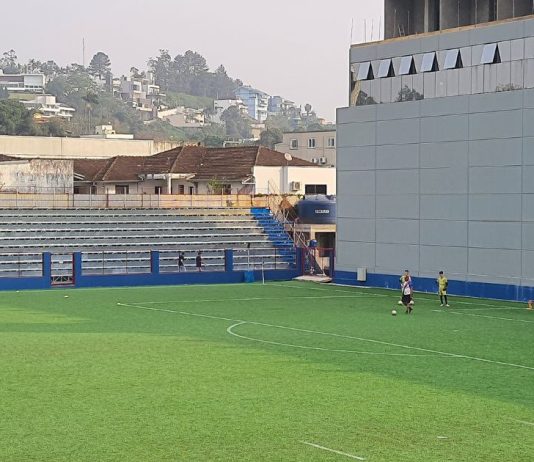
<point>294,48</point>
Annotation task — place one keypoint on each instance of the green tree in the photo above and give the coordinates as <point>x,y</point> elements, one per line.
<point>15,119</point>
<point>100,65</point>
<point>9,62</point>
<point>236,125</point>
<point>270,137</point>
<point>161,67</point>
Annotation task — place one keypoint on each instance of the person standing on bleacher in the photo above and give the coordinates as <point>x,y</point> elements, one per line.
<point>181,261</point>
<point>199,261</point>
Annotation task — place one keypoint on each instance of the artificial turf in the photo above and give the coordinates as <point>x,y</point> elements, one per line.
<point>275,372</point>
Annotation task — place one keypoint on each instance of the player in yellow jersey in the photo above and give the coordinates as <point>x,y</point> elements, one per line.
<point>443,283</point>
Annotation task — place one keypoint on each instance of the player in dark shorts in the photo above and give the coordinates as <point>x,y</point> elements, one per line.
<point>407,296</point>
<point>181,261</point>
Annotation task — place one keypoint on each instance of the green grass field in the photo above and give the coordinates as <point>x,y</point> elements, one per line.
<point>275,372</point>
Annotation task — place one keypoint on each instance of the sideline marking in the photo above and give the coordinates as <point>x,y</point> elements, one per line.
<point>419,296</point>
<point>335,451</point>
<point>483,316</point>
<point>230,330</point>
<point>249,299</point>
<point>524,422</point>
<point>295,329</point>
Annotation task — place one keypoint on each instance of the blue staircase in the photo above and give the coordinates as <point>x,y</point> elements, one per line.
<point>276,232</point>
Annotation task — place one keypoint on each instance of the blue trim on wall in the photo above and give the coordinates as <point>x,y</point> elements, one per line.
<point>460,288</point>
<point>154,278</point>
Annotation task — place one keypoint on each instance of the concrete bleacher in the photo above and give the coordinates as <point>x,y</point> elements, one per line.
<point>119,241</point>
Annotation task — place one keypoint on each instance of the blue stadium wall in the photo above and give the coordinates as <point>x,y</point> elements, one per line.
<point>152,278</point>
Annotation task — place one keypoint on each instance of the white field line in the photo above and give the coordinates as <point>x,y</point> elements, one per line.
<point>230,330</point>
<point>524,422</point>
<point>335,451</point>
<point>418,296</point>
<point>248,299</point>
<point>362,339</point>
<point>484,316</point>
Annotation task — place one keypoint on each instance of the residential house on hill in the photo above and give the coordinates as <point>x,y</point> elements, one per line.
<point>198,170</point>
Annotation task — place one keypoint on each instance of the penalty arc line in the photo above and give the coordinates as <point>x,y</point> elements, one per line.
<point>335,451</point>
<point>296,329</point>
<point>230,331</point>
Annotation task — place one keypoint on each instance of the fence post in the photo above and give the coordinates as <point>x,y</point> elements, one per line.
<point>77,266</point>
<point>154,262</point>
<point>299,260</point>
<point>47,268</point>
<point>228,260</point>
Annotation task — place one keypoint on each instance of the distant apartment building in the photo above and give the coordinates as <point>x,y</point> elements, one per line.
<point>141,93</point>
<point>47,107</point>
<point>257,102</point>
<point>23,83</point>
<point>221,105</point>
<point>184,117</point>
<point>279,105</point>
<point>107,132</point>
<point>318,147</point>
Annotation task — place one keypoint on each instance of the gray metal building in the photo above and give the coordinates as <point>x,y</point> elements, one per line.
<point>436,160</point>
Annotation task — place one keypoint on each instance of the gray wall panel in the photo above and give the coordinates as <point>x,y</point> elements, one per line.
<point>356,230</point>
<point>528,266</point>
<point>397,231</point>
<point>496,102</point>
<point>354,158</point>
<point>528,151</point>
<point>502,124</point>
<point>444,207</point>
<point>407,110</point>
<point>495,263</point>
<point>356,183</point>
<point>397,156</point>
<point>360,114</point>
<point>397,182</point>
<point>496,152</point>
<point>528,207</point>
<point>528,179</point>
<point>493,180</point>
<point>446,154</point>
<point>495,207</point>
<point>528,236</point>
<point>350,206</point>
<point>393,258</point>
<point>397,206</point>
<point>356,134</point>
<point>398,131</point>
<point>351,255</point>
<point>444,181</point>
<point>444,233</point>
<point>447,106</point>
<point>495,235</point>
<point>451,260</point>
<point>446,128</point>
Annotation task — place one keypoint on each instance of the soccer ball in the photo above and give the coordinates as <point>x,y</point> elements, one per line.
<point>399,302</point>
<point>394,312</point>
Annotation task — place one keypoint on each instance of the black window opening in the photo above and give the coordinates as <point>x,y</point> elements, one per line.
<point>490,54</point>
<point>385,69</point>
<point>453,60</point>
<point>407,66</point>
<point>315,189</point>
<point>122,189</point>
<point>430,62</point>
<point>365,71</point>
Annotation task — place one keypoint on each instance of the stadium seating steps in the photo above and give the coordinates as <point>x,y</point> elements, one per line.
<point>120,240</point>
